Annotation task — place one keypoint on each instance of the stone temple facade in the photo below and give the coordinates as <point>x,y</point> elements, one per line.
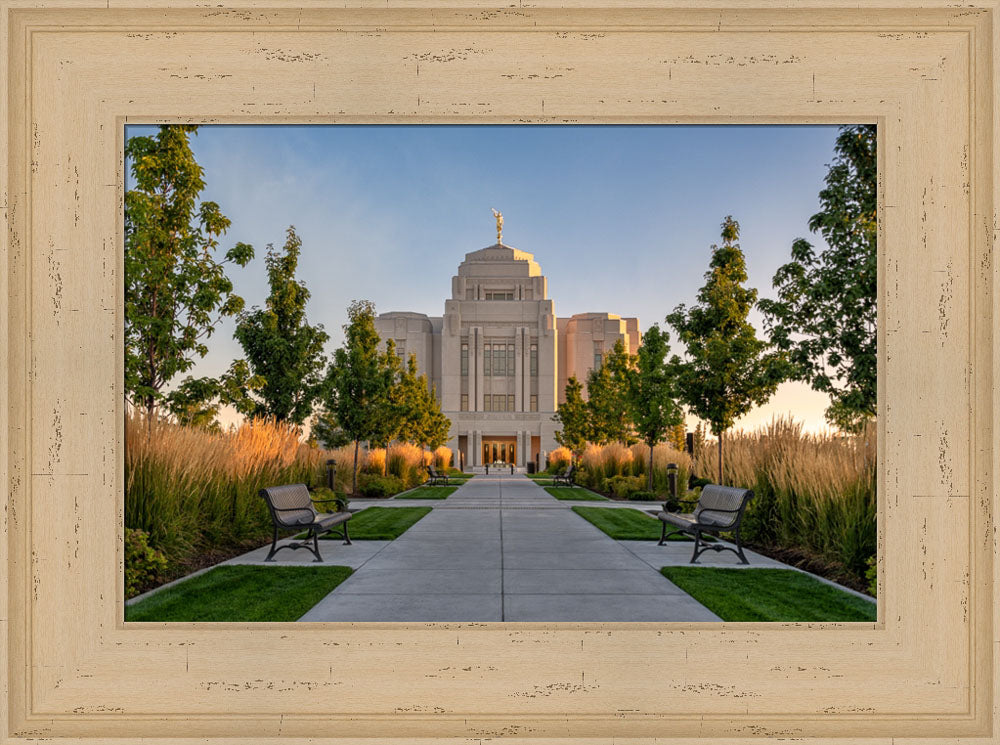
<point>499,357</point>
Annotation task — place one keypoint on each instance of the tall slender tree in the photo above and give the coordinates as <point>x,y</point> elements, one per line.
<point>825,312</point>
<point>359,380</point>
<point>282,349</point>
<point>651,394</point>
<point>176,287</point>
<point>607,390</point>
<point>727,370</point>
<point>572,414</point>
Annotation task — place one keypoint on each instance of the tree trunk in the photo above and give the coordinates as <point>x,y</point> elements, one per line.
<point>720,459</point>
<point>354,477</point>
<point>649,467</point>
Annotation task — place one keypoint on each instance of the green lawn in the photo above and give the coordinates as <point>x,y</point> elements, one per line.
<point>768,595</point>
<point>624,523</point>
<point>382,523</point>
<point>428,492</point>
<point>574,493</point>
<point>241,593</point>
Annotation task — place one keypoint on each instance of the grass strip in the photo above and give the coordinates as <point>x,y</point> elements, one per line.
<point>381,523</point>
<point>768,595</point>
<point>576,494</point>
<point>428,492</point>
<point>625,523</point>
<point>241,593</point>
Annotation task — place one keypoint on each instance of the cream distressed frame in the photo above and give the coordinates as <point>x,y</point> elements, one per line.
<point>77,70</point>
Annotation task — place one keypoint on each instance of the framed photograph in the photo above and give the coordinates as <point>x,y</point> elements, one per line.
<point>510,558</point>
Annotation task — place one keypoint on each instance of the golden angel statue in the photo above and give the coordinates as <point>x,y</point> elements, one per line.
<point>499,219</point>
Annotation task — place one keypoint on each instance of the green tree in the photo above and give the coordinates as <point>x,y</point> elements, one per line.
<point>176,290</point>
<point>607,391</point>
<point>239,387</point>
<point>195,403</point>
<point>825,312</point>
<point>574,417</point>
<point>677,437</point>
<point>323,428</point>
<point>435,425</point>
<point>388,419</point>
<point>359,380</point>
<point>281,348</point>
<point>727,370</point>
<point>651,395</point>
<point>421,421</point>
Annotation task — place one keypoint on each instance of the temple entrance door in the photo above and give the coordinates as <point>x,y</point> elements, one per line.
<point>499,451</point>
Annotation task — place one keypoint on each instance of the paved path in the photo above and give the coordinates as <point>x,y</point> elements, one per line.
<point>502,549</point>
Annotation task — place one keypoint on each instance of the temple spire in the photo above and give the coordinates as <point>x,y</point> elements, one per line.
<point>499,219</point>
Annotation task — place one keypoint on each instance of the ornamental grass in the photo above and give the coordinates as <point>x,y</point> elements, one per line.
<point>192,489</point>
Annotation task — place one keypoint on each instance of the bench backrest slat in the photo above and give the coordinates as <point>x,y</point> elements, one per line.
<point>290,504</point>
<point>721,505</point>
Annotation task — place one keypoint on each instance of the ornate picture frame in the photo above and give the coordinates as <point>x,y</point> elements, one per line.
<point>77,71</point>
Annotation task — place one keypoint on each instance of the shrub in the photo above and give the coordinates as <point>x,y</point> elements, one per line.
<point>406,462</point>
<point>871,574</point>
<point>625,486</point>
<point>442,458</point>
<point>645,496</point>
<point>559,460</point>
<point>372,486</point>
<point>338,501</point>
<point>143,563</point>
<point>374,462</point>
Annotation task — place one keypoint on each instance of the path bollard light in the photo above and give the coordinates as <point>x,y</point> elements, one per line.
<point>331,467</point>
<point>672,480</point>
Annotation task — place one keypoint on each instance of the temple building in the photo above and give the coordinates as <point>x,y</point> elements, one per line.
<point>499,357</point>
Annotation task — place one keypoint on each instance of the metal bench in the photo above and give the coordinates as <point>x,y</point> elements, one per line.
<point>435,478</point>
<point>719,510</point>
<point>566,477</point>
<point>292,508</point>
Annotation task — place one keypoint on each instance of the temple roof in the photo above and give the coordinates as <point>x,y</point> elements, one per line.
<point>522,263</point>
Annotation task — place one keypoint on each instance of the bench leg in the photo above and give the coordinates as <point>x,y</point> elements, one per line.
<point>347,536</point>
<point>274,546</point>
<point>739,548</point>
<point>315,546</point>
<point>663,534</point>
<point>697,547</point>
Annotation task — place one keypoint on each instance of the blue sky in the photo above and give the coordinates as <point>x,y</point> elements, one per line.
<point>388,212</point>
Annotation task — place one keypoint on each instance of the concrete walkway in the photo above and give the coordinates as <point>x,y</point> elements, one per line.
<point>503,549</point>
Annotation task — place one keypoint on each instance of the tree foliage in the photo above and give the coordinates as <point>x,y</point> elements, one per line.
<point>418,413</point>
<point>324,429</point>
<point>360,380</point>
<point>176,289</point>
<point>727,369</point>
<point>284,353</point>
<point>607,393</point>
<point>574,418</point>
<point>651,394</point>
<point>195,403</point>
<point>825,312</point>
